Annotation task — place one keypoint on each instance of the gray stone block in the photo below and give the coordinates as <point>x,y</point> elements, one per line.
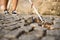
<point>39,33</point>
<point>4,39</point>
<point>28,37</point>
<point>56,26</point>
<point>57,19</point>
<point>10,24</point>
<point>48,38</point>
<point>5,31</point>
<point>37,27</point>
<point>53,32</point>
<point>57,37</point>
<point>48,20</point>
<point>27,28</point>
<point>11,27</point>
<point>14,34</point>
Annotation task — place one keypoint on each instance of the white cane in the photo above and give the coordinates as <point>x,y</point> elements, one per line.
<point>36,11</point>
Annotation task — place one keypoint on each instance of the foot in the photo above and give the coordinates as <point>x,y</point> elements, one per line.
<point>6,12</point>
<point>14,12</point>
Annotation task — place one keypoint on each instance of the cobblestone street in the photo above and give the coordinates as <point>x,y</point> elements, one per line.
<point>28,27</point>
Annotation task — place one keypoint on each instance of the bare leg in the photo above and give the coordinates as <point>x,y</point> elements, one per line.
<point>0,2</point>
<point>14,2</point>
<point>4,4</point>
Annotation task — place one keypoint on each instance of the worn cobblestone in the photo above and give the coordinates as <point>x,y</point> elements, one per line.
<point>21,27</point>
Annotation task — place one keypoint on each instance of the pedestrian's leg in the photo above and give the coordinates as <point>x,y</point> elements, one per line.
<point>14,6</point>
<point>0,4</point>
<point>4,5</point>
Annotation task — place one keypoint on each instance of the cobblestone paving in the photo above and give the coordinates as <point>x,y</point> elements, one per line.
<point>28,27</point>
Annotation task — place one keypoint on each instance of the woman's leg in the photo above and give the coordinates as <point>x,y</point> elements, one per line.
<point>14,6</point>
<point>14,2</point>
<point>0,2</point>
<point>4,4</point>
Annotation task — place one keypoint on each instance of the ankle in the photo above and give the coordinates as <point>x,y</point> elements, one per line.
<point>5,10</point>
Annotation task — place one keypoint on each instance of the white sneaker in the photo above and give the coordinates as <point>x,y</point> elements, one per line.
<point>6,12</point>
<point>14,12</point>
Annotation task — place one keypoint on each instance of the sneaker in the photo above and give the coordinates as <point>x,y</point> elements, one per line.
<point>14,12</point>
<point>6,12</point>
